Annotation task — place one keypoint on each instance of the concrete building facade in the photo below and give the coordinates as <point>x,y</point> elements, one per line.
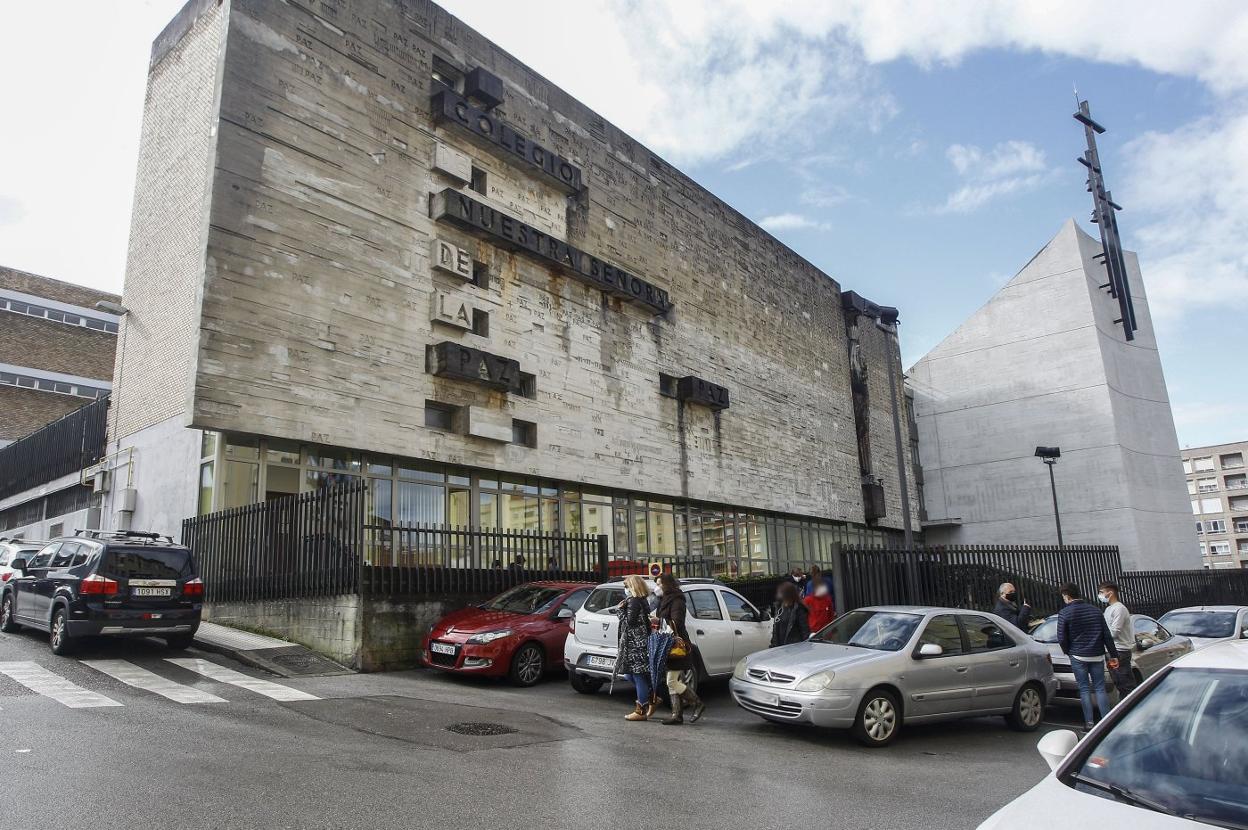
<point>368,243</point>
<point>1044,363</point>
<point>1217,484</point>
<point>56,350</point>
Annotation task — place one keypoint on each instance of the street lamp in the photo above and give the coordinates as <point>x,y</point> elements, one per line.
<point>1049,456</point>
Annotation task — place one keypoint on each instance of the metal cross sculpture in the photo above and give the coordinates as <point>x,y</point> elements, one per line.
<point>1104,214</point>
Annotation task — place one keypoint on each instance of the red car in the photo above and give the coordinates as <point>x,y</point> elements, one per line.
<point>519,634</point>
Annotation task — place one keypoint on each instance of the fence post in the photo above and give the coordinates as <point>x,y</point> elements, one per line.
<point>602,557</point>
<point>838,579</point>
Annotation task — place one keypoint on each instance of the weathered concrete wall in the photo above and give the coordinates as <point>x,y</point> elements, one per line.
<point>391,630</point>
<point>318,285</point>
<point>1043,364</point>
<point>330,625</point>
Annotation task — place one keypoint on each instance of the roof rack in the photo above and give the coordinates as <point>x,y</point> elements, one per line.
<point>144,536</point>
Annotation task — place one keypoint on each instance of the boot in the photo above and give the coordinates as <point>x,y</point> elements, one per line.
<point>652,706</point>
<point>637,714</point>
<point>677,706</point>
<point>694,704</point>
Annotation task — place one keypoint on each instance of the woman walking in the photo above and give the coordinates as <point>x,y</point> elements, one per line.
<point>792,624</point>
<point>672,610</point>
<point>634,657</point>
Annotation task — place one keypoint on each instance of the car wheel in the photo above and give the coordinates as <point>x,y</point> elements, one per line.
<point>59,637</point>
<point>878,719</point>
<point>584,685</point>
<point>1028,709</point>
<point>180,642</point>
<point>528,665</point>
<point>6,616</point>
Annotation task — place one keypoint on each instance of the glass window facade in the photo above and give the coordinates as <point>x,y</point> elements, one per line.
<point>723,540</point>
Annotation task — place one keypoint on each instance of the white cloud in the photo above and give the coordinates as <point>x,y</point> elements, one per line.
<point>1008,168</point>
<point>790,222</point>
<point>825,196</point>
<point>11,210</point>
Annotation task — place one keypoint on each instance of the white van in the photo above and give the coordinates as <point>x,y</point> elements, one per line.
<point>723,625</point>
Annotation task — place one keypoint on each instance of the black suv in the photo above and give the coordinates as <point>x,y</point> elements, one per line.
<point>125,583</point>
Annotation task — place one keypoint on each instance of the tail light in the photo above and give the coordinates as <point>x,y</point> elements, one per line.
<point>572,624</point>
<point>96,584</point>
<point>193,588</point>
<point>4,577</point>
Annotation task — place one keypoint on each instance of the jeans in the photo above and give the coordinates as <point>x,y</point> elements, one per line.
<point>641,682</point>
<point>1091,679</point>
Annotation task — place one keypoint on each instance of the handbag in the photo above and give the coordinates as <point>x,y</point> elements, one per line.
<point>679,648</point>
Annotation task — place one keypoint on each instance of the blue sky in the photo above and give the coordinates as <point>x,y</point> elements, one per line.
<point>919,153</point>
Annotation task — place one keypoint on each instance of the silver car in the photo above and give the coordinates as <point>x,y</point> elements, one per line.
<point>872,669</point>
<point>1205,625</point>
<point>1155,648</point>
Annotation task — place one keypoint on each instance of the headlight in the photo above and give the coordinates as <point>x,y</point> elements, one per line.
<point>739,671</point>
<point>489,636</point>
<point>816,682</point>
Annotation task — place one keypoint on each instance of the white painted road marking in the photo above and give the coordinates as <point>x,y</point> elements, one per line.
<point>221,674</point>
<point>40,680</point>
<point>141,678</point>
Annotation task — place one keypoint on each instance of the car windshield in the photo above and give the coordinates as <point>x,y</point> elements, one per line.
<point>149,563</point>
<point>1211,624</point>
<point>879,630</point>
<point>1046,632</point>
<point>1181,749</point>
<point>524,599</point>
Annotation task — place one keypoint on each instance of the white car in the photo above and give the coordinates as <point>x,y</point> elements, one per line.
<point>1172,755</point>
<point>11,549</point>
<point>723,625</point>
<point>1205,625</point>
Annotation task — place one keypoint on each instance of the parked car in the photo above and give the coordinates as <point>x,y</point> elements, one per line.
<point>1155,647</point>
<point>1172,756</point>
<point>15,548</point>
<point>1205,625</point>
<point>518,634</point>
<point>873,669</point>
<point>111,584</point>
<point>723,625</point>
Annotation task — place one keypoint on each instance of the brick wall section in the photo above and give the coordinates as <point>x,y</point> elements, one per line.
<point>22,411</point>
<point>65,292</point>
<point>56,347</point>
<point>165,265</point>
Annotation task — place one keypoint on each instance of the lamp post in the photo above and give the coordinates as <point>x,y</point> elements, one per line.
<point>1049,456</point>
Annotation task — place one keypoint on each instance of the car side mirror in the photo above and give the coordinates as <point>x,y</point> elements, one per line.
<point>1244,634</point>
<point>1056,745</point>
<point>18,564</point>
<point>1144,643</point>
<point>930,650</point>
<point>565,613</point>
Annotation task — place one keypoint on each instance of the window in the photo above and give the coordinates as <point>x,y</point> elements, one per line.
<point>523,433</point>
<point>1207,485</point>
<point>984,635</point>
<point>604,599</point>
<point>575,600</point>
<point>704,605</point>
<point>478,180</point>
<point>1219,548</point>
<point>65,555</point>
<point>205,488</point>
<point>1232,461</point>
<point>1148,632</point>
<point>480,322</point>
<point>1215,526</point>
<point>943,631</point>
<point>1203,465</point>
<point>1213,505</point>
<point>44,556</point>
<point>480,278</point>
<point>1187,466</point>
<point>445,73</point>
<point>1191,487</point>
<point>440,415</point>
<point>738,609</point>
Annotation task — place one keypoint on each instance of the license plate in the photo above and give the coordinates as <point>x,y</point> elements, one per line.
<point>600,662</point>
<point>442,648</point>
<point>766,699</point>
<point>151,592</point>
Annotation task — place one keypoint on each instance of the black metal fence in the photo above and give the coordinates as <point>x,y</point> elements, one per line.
<point>1156,592</point>
<point>65,446</point>
<point>968,576</point>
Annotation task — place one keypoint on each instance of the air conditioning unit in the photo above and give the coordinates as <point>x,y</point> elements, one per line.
<point>99,483</point>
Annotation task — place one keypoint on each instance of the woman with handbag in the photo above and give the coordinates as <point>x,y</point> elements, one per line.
<point>634,655</point>
<point>672,610</point>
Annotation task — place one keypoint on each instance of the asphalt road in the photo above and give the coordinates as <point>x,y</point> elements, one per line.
<point>373,751</point>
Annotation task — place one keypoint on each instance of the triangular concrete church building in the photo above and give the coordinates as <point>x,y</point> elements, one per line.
<point>1043,363</point>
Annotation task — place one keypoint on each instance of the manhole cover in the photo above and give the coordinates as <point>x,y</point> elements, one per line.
<point>480,729</point>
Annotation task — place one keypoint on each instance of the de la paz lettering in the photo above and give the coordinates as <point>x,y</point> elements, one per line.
<point>454,360</point>
<point>506,231</point>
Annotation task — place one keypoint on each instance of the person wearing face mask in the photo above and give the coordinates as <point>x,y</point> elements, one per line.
<point>1118,618</point>
<point>1008,608</point>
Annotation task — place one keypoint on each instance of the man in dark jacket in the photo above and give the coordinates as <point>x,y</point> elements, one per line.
<point>1085,638</point>
<point>792,623</point>
<point>1008,607</point>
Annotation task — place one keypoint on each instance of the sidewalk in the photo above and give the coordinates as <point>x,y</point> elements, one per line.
<point>269,653</point>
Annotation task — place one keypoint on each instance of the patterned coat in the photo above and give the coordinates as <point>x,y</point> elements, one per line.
<point>634,634</point>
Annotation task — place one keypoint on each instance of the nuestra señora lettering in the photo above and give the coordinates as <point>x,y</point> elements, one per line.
<point>465,212</point>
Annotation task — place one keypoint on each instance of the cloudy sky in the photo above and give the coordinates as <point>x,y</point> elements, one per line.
<point>918,152</point>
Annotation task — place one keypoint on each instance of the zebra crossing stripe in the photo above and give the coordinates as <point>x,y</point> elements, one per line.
<point>221,674</point>
<point>41,681</point>
<point>141,678</point>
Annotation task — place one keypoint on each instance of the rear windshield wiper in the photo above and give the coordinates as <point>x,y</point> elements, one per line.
<point>1125,795</point>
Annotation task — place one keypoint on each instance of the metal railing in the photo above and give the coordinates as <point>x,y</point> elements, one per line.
<point>65,446</point>
<point>1156,592</point>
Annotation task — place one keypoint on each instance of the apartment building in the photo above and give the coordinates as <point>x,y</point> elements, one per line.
<point>1217,482</point>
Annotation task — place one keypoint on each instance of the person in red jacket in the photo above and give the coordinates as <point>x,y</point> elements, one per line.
<point>819,606</point>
